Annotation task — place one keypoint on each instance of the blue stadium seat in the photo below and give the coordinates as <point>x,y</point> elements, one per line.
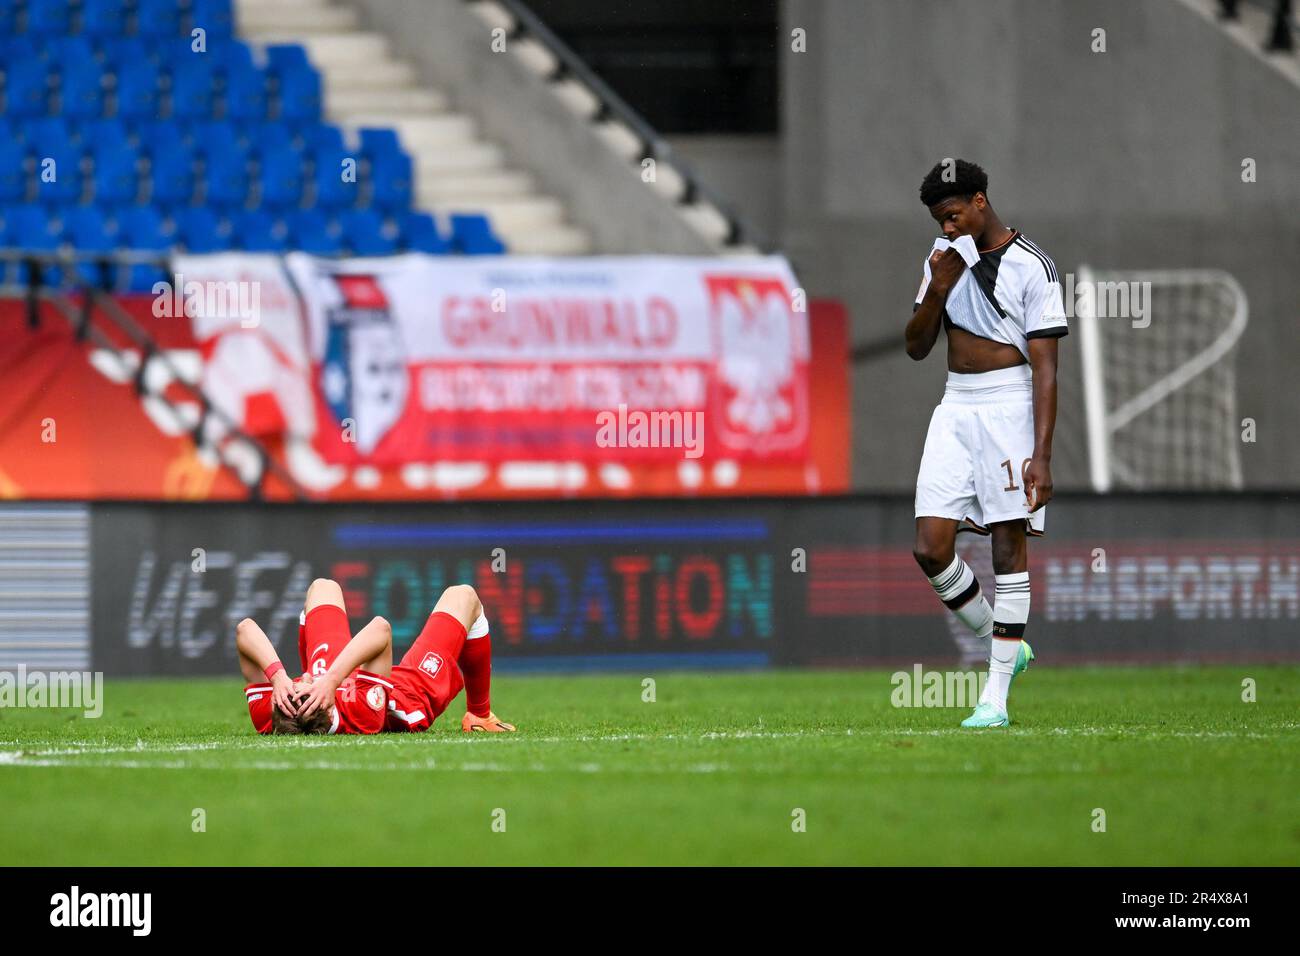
<point>158,19</point>
<point>13,175</point>
<point>19,46</point>
<point>286,58</point>
<point>32,228</point>
<point>171,176</point>
<point>58,176</point>
<point>332,191</point>
<point>366,234</point>
<point>103,18</point>
<point>311,231</point>
<point>390,181</point>
<point>46,135</point>
<point>137,90</point>
<point>245,94</point>
<point>217,17</point>
<point>201,230</point>
<point>115,180</point>
<point>97,134</point>
<point>254,230</point>
<point>270,139</point>
<point>420,234</point>
<point>377,143</point>
<point>192,94</point>
<point>63,53</point>
<point>143,227</point>
<point>299,94</point>
<point>209,137</point>
<point>26,86</point>
<point>88,230</point>
<point>120,51</point>
<point>280,178</point>
<point>48,17</point>
<point>320,136</point>
<point>8,17</point>
<point>225,178</point>
<point>81,90</point>
<point>472,235</point>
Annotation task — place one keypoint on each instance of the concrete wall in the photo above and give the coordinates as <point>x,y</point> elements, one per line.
<point>450,47</point>
<point>1125,159</point>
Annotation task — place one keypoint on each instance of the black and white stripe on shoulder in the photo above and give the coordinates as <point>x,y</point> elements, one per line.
<point>1042,257</point>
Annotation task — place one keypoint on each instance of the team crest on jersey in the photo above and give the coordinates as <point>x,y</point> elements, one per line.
<point>375,697</point>
<point>431,664</point>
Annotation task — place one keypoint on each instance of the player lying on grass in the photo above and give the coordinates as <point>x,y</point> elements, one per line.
<point>349,684</point>
<point>988,452</point>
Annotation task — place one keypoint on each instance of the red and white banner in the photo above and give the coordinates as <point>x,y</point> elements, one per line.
<point>426,359</point>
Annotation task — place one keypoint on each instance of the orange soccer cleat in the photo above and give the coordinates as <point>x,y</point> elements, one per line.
<point>491,723</point>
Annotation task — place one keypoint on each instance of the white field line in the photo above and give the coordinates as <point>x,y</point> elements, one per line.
<point>56,747</point>
<point>53,753</point>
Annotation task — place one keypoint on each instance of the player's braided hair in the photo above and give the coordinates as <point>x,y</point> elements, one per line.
<point>951,178</point>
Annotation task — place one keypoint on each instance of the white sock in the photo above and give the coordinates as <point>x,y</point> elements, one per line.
<point>1010,616</point>
<point>960,592</point>
<point>478,628</point>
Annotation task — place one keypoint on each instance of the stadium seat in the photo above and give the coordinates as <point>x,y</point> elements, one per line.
<point>13,175</point>
<point>48,17</point>
<point>216,17</point>
<point>58,176</point>
<point>365,233</point>
<point>192,93</point>
<point>138,82</point>
<point>171,176</point>
<point>201,230</point>
<point>225,178</point>
<point>420,234</point>
<point>299,94</point>
<point>256,231</point>
<point>280,179</point>
<point>31,228</point>
<point>311,231</point>
<point>143,229</point>
<point>65,53</point>
<point>88,230</point>
<point>114,181</point>
<point>100,133</point>
<point>245,94</point>
<point>26,87</point>
<point>390,180</point>
<point>103,18</point>
<point>472,235</point>
<point>158,19</point>
<point>46,135</point>
<point>332,190</point>
<point>81,90</point>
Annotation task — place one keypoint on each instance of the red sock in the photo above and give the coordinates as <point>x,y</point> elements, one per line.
<point>476,665</point>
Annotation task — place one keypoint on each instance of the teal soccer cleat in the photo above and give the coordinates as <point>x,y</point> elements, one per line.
<point>1022,659</point>
<point>986,715</point>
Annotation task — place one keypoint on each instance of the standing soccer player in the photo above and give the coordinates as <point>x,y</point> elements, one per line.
<point>988,452</point>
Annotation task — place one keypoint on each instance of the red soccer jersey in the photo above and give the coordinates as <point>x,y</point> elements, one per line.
<point>361,701</point>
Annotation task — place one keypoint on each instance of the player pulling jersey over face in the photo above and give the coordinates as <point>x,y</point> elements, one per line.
<point>987,458</point>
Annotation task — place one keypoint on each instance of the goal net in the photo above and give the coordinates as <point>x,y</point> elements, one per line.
<point>1158,355</point>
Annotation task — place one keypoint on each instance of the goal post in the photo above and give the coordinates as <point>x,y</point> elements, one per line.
<point>1159,378</point>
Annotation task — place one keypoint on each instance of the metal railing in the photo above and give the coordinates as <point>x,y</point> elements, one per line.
<point>653,145</point>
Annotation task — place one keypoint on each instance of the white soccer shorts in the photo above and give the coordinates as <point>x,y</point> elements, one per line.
<point>981,438</point>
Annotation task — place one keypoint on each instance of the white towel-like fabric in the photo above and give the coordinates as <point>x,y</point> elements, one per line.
<point>965,247</point>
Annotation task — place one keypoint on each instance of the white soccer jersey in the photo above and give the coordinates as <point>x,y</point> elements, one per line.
<point>1011,295</point>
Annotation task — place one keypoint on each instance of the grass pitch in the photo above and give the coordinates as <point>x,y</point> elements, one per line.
<point>713,772</point>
